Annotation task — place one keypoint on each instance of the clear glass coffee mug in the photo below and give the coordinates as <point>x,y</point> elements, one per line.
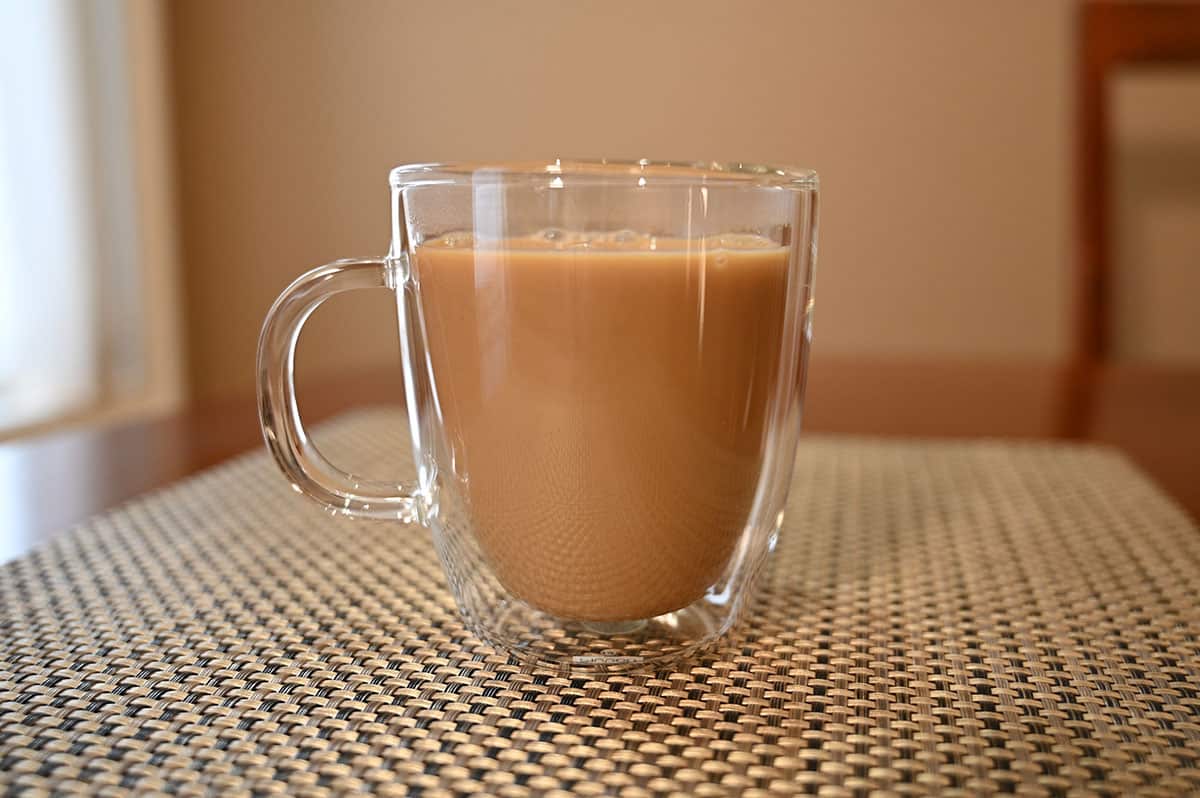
<point>604,365</point>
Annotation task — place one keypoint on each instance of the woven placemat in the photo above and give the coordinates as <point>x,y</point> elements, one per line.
<point>949,618</point>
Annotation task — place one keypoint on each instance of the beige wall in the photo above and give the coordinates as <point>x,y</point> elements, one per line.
<point>941,131</point>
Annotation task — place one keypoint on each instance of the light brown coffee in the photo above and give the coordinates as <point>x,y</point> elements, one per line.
<point>605,403</point>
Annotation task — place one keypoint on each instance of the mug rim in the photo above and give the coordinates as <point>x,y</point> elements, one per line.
<point>602,170</point>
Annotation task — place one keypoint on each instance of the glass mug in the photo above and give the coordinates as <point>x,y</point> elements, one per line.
<point>604,370</point>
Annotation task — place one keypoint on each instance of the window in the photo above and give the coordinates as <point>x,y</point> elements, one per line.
<point>70,310</point>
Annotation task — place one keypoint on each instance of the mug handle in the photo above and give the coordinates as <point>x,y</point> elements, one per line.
<point>295,453</point>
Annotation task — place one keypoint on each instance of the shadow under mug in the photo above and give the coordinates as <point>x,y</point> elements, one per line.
<point>604,370</point>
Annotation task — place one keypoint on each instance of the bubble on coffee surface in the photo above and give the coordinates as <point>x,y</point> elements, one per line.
<point>627,239</point>
<point>456,239</point>
<point>739,241</point>
<point>622,240</point>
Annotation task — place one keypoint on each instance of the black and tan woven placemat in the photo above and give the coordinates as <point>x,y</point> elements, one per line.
<point>949,618</point>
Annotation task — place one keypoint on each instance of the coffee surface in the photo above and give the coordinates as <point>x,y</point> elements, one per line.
<point>604,398</point>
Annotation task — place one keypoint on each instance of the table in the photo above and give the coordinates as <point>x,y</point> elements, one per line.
<point>951,618</point>
<point>1151,413</point>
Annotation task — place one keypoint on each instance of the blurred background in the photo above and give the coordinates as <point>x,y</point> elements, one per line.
<point>166,168</point>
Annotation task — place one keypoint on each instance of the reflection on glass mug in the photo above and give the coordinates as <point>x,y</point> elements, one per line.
<point>604,365</point>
